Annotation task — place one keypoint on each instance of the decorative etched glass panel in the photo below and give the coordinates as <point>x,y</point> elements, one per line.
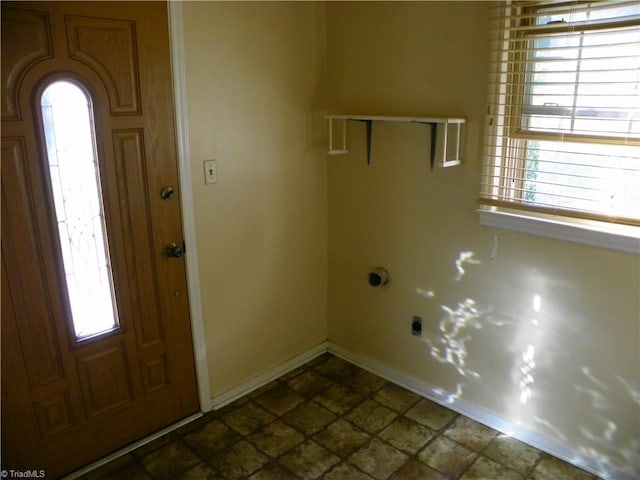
<point>75,181</point>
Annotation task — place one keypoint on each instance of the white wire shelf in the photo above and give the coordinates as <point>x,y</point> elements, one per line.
<point>444,156</point>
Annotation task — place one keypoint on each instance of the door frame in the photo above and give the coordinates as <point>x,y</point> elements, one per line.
<point>176,33</point>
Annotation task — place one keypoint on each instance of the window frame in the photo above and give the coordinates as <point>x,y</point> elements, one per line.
<point>510,101</point>
<point>45,129</point>
<point>528,35</point>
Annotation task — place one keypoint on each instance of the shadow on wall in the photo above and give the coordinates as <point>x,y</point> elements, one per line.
<point>527,346</point>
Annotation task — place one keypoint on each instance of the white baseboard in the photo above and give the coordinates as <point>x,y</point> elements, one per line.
<point>468,409</point>
<point>483,416</point>
<point>255,383</point>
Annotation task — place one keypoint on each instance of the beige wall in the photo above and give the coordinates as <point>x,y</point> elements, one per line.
<point>254,87</point>
<point>255,98</point>
<point>429,58</point>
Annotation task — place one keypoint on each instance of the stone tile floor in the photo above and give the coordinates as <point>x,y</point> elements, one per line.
<point>331,420</point>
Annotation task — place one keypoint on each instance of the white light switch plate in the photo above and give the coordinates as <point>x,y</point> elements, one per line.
<point>210,172</point>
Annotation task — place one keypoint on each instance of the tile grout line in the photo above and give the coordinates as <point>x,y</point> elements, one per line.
<point>337,375</point>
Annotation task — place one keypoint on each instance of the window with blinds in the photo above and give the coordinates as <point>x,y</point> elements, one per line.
<point>564,111</point>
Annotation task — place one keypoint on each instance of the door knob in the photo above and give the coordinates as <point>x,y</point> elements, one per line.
<point>174,250</point>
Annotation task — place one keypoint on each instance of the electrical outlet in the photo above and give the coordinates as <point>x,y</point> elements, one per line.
<point>210,172</point>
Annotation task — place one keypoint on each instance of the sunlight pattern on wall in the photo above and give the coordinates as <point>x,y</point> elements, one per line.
<point>632,387</point>
<point>450,347</point>
<point>531,323</point>
<point>455,327</point>
<point>450,397</point>
<point>557,433</point>
<point>425,293</point>
<point>528,365</point>
<point>601,434</point>
<point>528,357</point>
<point>463,258</point>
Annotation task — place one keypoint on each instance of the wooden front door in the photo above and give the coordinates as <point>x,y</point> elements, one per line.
<point>70,398</point>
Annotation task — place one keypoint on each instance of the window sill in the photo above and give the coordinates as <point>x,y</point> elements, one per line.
<point>613,237</point>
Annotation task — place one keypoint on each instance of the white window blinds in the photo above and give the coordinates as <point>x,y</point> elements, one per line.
<point>564,110</point>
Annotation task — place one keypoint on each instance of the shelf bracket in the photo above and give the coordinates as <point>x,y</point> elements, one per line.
<point>332,149</point>
<point>369,124</point>
<point>432,145</point>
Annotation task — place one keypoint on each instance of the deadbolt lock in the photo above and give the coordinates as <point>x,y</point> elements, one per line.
<point>167,193</point>
<point>174,250</point>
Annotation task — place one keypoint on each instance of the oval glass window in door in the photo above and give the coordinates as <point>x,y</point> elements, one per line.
<point>75,180</point>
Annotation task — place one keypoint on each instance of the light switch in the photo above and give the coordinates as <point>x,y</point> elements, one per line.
<point>210,172</point>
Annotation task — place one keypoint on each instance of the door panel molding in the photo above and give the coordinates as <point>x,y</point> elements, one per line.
<point>37,47</point>
<point>54,414</point>
<point>155,374</point>
<point>87,38</point>
<point>131,170</point>
<point>105,379</point>
<point>42,357</point>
